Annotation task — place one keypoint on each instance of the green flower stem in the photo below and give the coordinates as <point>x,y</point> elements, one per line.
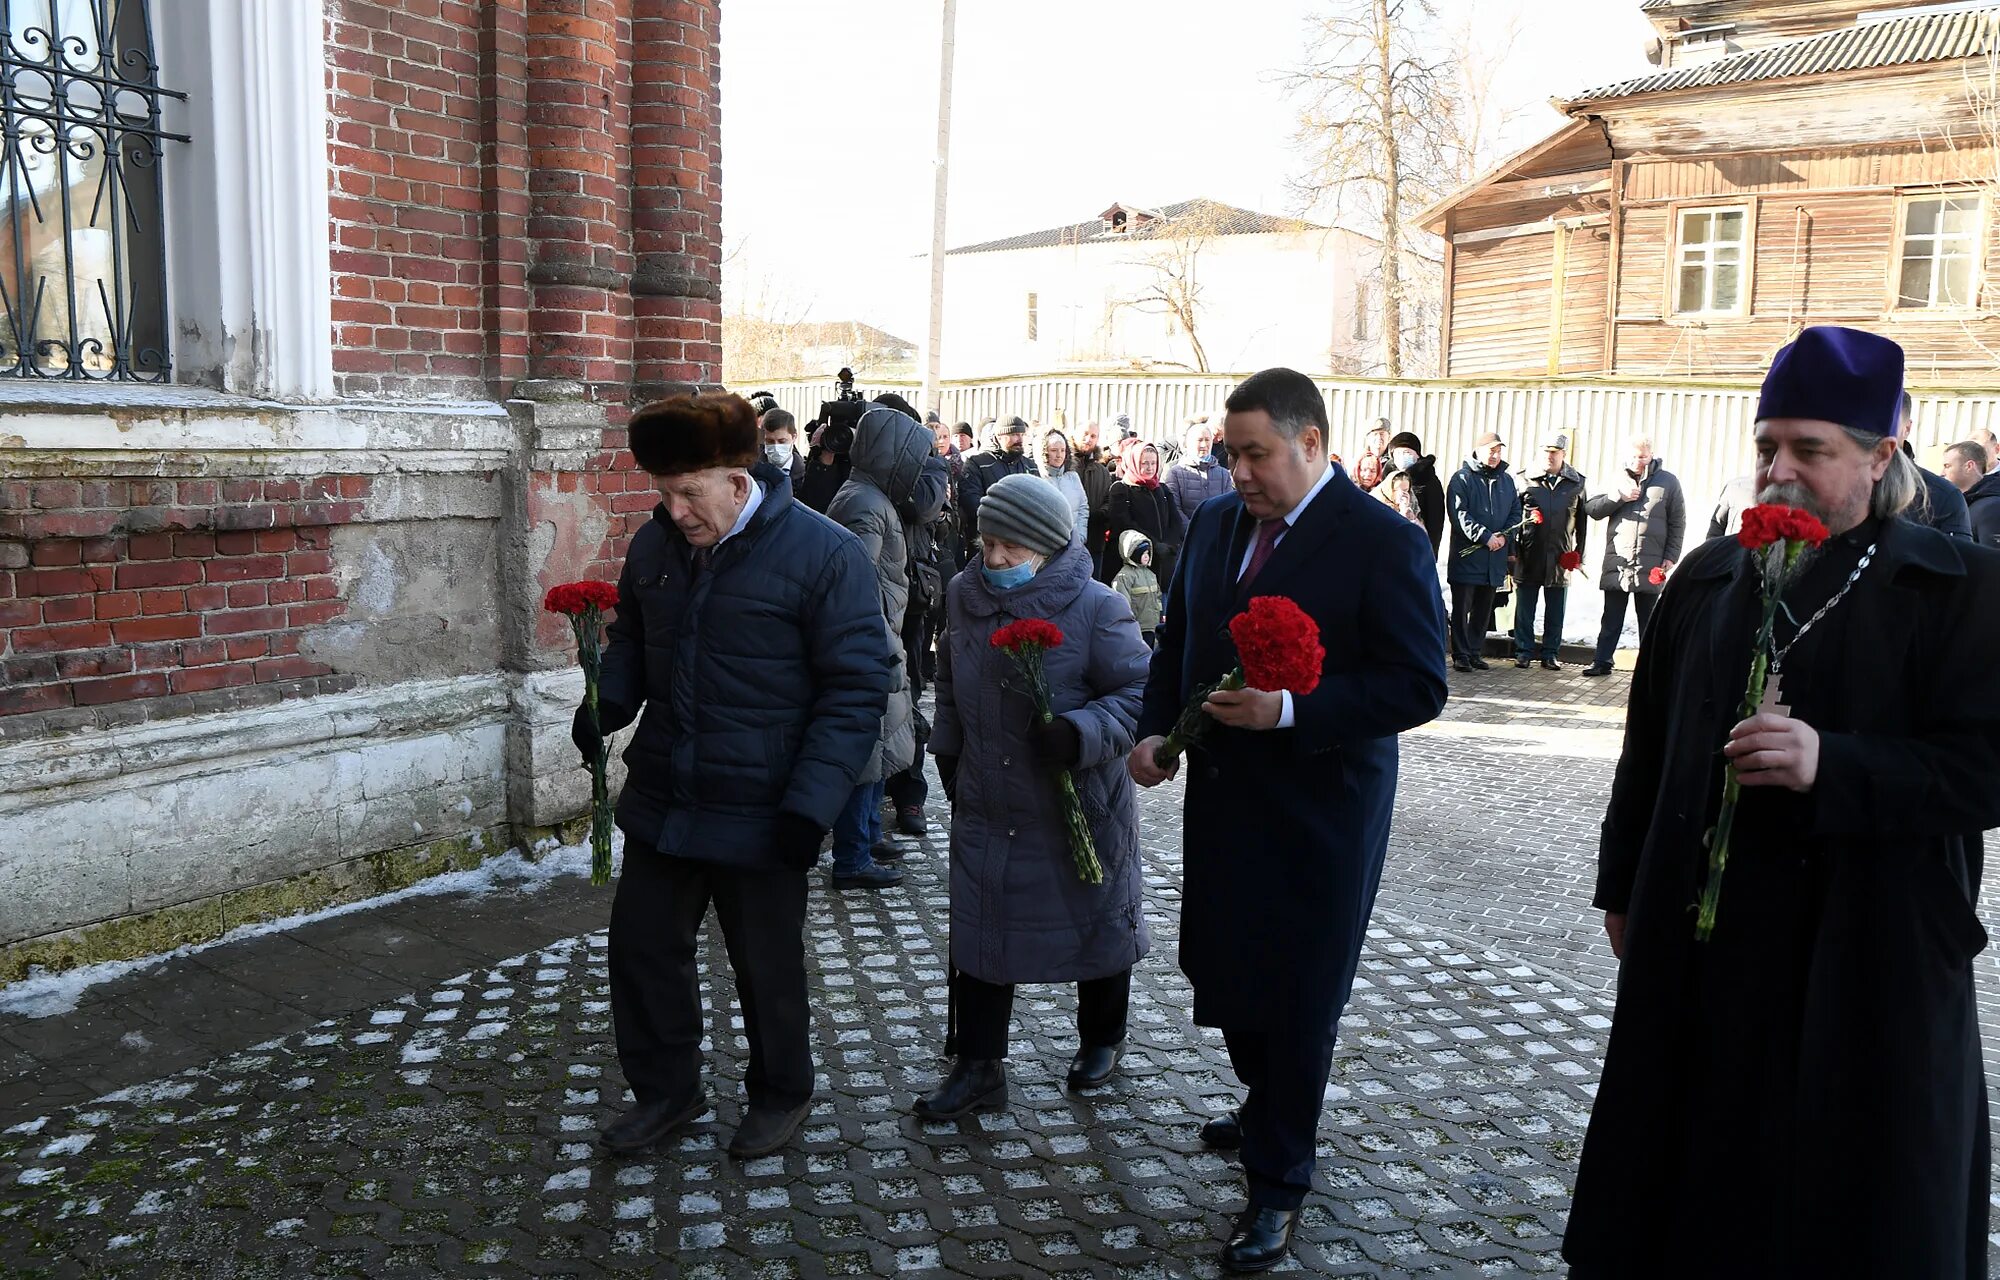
<point>590,655</point>
<point>1193,721</point>
<point>1082,845</point>
<point>1732,786</point>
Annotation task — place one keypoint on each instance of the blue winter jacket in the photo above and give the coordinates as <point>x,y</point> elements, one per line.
<point>1482,501</point>
<point>764,684</point>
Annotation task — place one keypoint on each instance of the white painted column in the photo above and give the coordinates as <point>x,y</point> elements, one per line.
<point>249,278</point>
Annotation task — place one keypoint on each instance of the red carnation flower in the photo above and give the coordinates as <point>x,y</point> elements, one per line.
<point>1570,561</point>
<point>574,598</point>
<point>1767,525</point>
<point>1278,644</point>
<point>1534,515</point>
<point>1656,576</point>
<point>1039,633</point>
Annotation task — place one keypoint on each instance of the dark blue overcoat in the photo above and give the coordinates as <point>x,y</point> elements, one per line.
<point>1285,831</point>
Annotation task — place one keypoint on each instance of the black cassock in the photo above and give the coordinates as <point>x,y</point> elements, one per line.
<point>1802,1095</point>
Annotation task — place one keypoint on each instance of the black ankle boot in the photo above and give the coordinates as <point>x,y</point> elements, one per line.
<point>973,1085</point>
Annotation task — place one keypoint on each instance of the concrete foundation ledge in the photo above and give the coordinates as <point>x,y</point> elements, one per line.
<point>122,842</point>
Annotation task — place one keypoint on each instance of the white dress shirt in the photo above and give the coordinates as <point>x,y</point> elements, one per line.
<point>1291,518</point>
<point>750,505</point>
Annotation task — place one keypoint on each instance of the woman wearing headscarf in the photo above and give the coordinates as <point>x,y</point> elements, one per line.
<point>1197,476</point>
<point>1058,467</point>
<point>1020,912</point>
<point>1143,503</point>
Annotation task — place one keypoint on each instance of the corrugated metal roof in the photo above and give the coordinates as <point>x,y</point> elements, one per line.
<point>1220,219</point>
<point>1918,38</point>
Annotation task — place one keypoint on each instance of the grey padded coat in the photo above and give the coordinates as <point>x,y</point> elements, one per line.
<point>1019,912</point>
<point>889,452</point>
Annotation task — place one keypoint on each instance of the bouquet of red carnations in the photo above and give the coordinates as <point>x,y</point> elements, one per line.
<point>1277,650</point>
<point>584,604</point>
<point>1025,642</point>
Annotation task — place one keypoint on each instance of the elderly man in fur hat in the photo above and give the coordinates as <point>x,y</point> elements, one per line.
<point>750,635</point>
<point>1799,1094</point>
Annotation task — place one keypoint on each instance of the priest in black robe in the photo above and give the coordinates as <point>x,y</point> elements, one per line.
<point>1801,1095</point>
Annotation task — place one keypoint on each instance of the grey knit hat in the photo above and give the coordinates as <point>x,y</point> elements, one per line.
<point>1027,510</point>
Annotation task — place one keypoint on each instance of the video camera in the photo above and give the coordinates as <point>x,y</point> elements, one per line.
<point>841,415</point>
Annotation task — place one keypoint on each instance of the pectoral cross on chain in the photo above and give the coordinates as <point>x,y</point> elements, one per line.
<point>1774,698</point>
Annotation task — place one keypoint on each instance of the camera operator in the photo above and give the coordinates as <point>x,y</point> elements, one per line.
<point>832,445</point>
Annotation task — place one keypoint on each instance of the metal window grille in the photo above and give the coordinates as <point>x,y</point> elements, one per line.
<point>83,280</point>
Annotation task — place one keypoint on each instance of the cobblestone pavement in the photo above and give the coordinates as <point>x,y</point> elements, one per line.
<point>414,1090</point>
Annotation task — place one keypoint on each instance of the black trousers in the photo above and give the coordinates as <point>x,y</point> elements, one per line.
<point>655,993</point>
<point>983,1010</point>
<point>1614,621</point>
<point>909,789</point>
<point>1471,615</point>
<point>1285,1073</point>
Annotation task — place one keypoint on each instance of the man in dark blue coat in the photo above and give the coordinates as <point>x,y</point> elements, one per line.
<point>750,632</point>
<point>1289,797</point>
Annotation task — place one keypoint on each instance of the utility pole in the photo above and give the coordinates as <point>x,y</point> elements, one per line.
<point>941,165</point>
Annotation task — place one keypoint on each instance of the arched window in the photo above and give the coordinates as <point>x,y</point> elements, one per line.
<point>83,288</point>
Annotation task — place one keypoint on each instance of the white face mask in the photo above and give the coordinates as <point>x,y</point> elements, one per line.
<point>1404,459</point>
<point>779,454</point>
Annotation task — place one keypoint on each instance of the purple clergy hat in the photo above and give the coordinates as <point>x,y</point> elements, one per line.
<point>1832,374</point>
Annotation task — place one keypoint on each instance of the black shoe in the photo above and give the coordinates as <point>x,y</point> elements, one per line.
<point>646,1124</point>
<point>1550,664</point>
<point>764,1130</point>
<point>871,877</point>
<point>1598,669</point>
<point>1092,1067</point>
<point>1460,664</point>
<point>1225,1132</point>
<point>971,1086</point>
<point>1481,664</point>
<point>1260,1240</point>
<point>911,822</point>
<point>886,852</point>
<point>1524,663</point>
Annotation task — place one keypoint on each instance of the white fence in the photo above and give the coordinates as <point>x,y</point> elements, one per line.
<point>1700,431</point>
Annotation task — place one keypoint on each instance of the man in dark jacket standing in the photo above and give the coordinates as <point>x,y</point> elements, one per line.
<point>1406,454</point>
<point>749,631</point>
<point>1289,796</point>
<point>1546,553</point>
<point>1968,468</point>
<point>1484,506</point>
<point>1801,1095</point>
<point>1009,457</point>
<point>1097,481</point>
<point>1646,525</point>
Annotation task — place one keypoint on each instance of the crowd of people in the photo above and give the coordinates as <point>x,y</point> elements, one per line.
<point>780,617</point>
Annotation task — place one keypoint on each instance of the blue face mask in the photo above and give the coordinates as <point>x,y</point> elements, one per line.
<point>1009,578</point>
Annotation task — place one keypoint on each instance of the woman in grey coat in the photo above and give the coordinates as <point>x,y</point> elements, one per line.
<point>1019,911</point>
<point>1058,467</point>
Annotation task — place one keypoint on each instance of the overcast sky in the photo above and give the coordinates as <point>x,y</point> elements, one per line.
<point>1060,108</point>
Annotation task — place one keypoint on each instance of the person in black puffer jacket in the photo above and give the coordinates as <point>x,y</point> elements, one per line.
<point>749,631</point>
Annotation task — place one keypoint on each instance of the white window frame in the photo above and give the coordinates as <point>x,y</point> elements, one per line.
<point>1976,245</point>
<point>249,276</point>
<point>1034,316</point>
<point>1678,258</point>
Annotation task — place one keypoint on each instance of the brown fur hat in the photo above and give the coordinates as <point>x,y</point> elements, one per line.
<point>694,433</point>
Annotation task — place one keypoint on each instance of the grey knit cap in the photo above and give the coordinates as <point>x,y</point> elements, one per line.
<point>1027,510</point>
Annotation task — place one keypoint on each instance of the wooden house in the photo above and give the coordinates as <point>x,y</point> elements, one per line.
<point>1792,162</point>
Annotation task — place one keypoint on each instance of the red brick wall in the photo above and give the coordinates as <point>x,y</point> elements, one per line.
<point>125,588</point>
<point>408,199</point>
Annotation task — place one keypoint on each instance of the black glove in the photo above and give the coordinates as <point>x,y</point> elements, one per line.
<point>610,718</point>
<point>1056,744</point>
<point>947,767</point>
<point>796,841</point>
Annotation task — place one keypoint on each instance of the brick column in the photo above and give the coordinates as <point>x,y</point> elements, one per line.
<point>579,264</point>
<point>676,198</point>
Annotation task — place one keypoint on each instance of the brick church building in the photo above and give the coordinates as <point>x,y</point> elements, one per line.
<point>318,328</point>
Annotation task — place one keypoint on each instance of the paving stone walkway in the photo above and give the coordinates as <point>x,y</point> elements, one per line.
<point>414,1090</point>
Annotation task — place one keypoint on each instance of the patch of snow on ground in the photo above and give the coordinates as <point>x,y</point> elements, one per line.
<point>45,995</point>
